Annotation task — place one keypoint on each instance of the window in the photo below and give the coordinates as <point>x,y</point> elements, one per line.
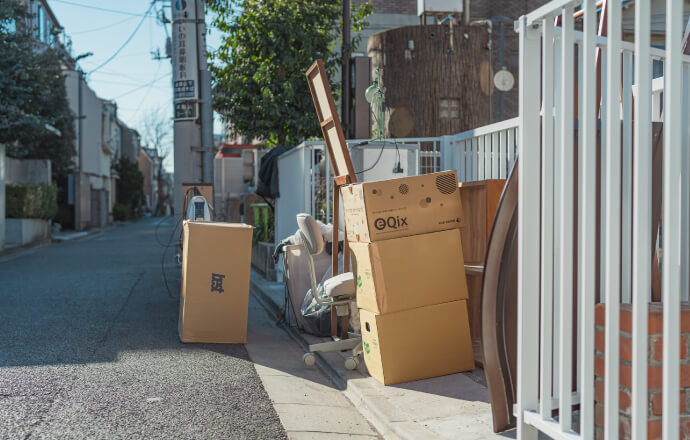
<point>41,24</point>
<point>449,108</point>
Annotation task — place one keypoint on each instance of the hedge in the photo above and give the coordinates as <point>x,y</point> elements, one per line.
<point>31,201</point>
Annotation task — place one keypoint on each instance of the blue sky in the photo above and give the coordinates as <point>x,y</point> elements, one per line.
<point>138,83</point>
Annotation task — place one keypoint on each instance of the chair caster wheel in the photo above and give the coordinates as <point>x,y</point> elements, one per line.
<point>351,363</point>
<point>309,359</point>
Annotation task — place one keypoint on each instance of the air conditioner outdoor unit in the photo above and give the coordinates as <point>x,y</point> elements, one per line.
<point>439,7</point>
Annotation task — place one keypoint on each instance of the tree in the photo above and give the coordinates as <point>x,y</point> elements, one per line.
<point>258,70</point>
<point>156,130</point>
<point>35,118</point>
<point>130,185</point>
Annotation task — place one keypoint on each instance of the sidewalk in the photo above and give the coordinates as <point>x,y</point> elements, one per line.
<point>447,407</point>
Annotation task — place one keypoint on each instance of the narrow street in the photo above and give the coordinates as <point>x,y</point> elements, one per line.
<point>90,349</point>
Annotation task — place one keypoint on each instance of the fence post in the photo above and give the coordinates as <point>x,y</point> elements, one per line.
<point>528,228</point>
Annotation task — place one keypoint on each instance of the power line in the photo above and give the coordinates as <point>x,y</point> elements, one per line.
<point>113,11</point>
<point>141,87</point>
<point>126,41</point>
<point>101,28</point>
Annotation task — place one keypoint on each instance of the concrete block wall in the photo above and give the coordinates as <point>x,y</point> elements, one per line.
<point>654,371</point>
<point>31,171</point>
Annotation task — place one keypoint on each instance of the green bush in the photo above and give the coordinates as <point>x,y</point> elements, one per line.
<point>31,201</point>
<point>121,212</point>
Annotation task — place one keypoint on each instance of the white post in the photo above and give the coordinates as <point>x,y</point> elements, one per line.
<point>547,171</point>
<point>588,220</point>
<point>672,214</point>
<point>641,218</point>
<point>612,222</point>
<point>566,169</point>
<point>528,230</point>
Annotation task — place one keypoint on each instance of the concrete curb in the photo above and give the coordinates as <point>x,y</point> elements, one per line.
<point>377,411</point>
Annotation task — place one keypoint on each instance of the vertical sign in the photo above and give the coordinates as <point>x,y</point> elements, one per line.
<point>184,59</point>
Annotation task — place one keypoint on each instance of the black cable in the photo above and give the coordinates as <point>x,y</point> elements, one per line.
<point>383,145</point>
<point>114,11</point>
<point>136,29</point>
<point>165,250</point>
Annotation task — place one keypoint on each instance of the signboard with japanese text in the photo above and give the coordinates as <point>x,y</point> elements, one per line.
<point>184,57</point>
<point>185,110</point>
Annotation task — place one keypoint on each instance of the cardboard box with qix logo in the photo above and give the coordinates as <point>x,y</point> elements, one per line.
<point>417,344</point>
<point>396,208</point>
<point>409,272</point>
<point>216,262</point>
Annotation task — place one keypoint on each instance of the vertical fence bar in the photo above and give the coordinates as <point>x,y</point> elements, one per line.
<point>642,218</point>
<point>602,152</point>
<point>588,219</point>
<point>512,135</point>
<point>495,155</point>
<point>503,166</point>
<point>558,182</point>
<point>685,192</point>
<point>481,158</point>
<point>488,156</point>
<point>528,229</point>
<point>672,215</point>
<point>547,203</point>
<point>566,207</point>
<point>475,158</point>
<point>612,221</point>
<point>460,155</point>
<point>626,194</point>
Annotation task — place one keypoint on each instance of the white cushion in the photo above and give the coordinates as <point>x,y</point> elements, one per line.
<point>340,285</point>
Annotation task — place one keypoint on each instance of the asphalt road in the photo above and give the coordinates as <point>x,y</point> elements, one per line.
<point>89,349</point>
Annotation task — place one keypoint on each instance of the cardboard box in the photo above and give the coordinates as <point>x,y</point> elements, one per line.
<point>409,272</point>
<point>417,344</point>
<point>396,208</point>
<point>215,282</point>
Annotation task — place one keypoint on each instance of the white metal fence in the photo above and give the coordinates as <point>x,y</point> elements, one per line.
<point>305,176</point>
<point>555,166</point>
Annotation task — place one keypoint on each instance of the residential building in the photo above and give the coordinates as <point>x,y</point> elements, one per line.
<point>100,135</point>
<point>150,166</point>
<point>130,142</point>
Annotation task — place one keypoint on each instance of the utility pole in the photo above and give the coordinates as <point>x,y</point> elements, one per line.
<point>345,69</point>
<point>193,111</point>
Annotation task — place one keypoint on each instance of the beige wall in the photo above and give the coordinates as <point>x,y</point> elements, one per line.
<point>145,166</point>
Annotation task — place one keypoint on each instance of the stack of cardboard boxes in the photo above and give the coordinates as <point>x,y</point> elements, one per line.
<point>409,270</point>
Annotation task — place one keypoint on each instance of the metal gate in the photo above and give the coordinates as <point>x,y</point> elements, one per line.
<point>585,210</point>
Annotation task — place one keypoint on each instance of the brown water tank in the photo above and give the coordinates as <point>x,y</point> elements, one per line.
<point>433,87</point>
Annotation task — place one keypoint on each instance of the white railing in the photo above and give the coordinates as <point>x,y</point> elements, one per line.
<point>554,166</point>
<point>483,153</point>
<point>305,176</point>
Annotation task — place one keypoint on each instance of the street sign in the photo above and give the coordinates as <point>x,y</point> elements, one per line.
<point>182,9</point>
<point>185,110</point>
<point>184,50</point>
<point>183,89</point>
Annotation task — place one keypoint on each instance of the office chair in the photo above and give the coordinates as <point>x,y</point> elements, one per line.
<point>338,291</point>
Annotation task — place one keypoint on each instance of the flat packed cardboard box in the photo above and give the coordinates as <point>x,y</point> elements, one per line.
<point>216,262</point>
<point>401,207</point>
<point>417,344</point>
<point>409,272</point>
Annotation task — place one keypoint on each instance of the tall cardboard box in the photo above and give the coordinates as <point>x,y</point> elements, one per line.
<point>409,272</point>
<point>216,263</point>
<point>395,208</point>
<point>417,344</point>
